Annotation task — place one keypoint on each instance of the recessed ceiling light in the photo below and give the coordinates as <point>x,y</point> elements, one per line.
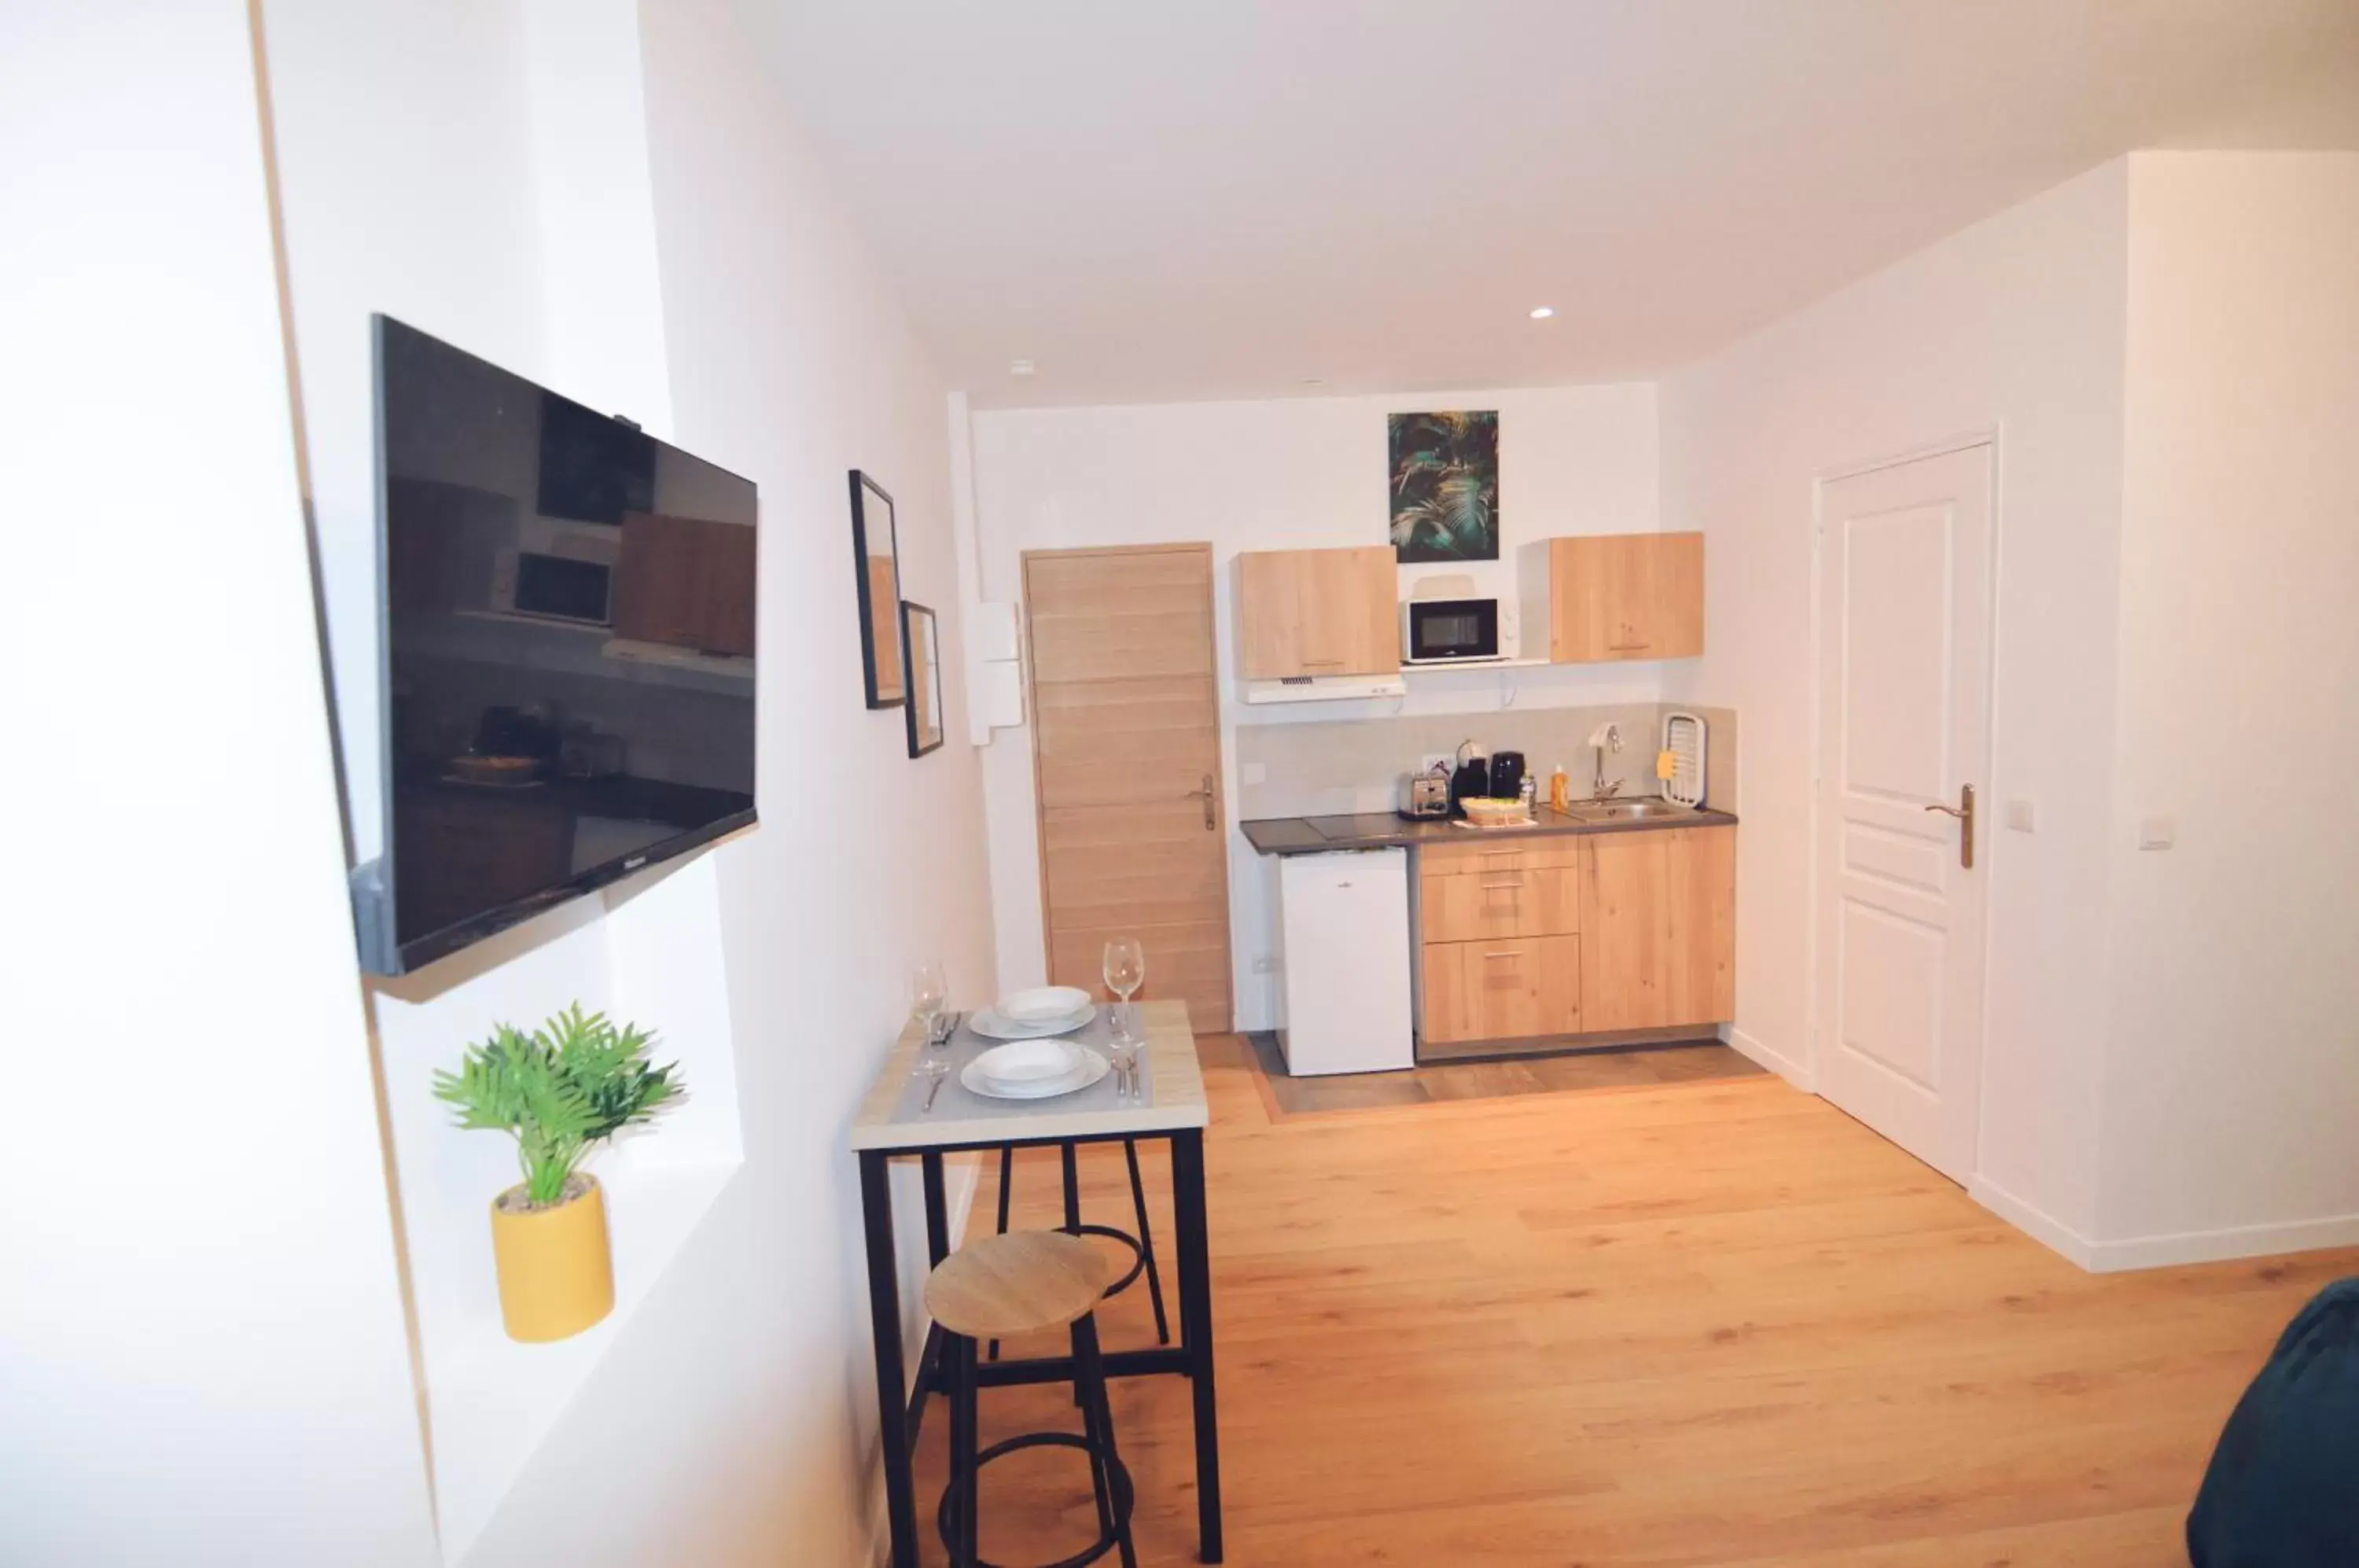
<point>1020,367</point>
<point>1542,313</point>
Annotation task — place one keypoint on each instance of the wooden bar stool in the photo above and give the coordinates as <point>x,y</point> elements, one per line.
<point>1141,1245</point>
<point>999,1288</point>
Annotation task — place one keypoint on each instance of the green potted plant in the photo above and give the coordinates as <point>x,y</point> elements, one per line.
<point>559,1092</point>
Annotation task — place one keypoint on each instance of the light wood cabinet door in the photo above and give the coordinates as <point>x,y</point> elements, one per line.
<point>1503,988</point>
<point>1507,903</point>
<point>1615,597</point>
<point>1317,612</point>
<point>1518,853</point>
<point>1658,921</point>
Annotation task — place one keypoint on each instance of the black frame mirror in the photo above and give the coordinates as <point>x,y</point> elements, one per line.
<point>919,635</point>
<point>876,564</point>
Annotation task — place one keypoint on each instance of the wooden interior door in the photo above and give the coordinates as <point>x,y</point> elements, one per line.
<point>1126,762</point>
<point>1903,673</point>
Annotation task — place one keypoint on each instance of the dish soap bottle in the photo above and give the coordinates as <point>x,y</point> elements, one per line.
<point>1560,788</point>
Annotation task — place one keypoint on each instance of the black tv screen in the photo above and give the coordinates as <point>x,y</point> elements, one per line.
<point>570,651</point>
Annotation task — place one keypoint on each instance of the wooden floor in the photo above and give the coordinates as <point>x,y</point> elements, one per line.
<point>1701,1324</point>
<point>1622,1068</point>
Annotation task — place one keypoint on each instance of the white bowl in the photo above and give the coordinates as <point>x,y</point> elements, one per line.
<point>1041,1005</point>
<point>1027,1062</point>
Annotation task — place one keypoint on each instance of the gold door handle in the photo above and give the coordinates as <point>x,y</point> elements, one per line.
<point>1208,796</point>
<point>1965,812</point>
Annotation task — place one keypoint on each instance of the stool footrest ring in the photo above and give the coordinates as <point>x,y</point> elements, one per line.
<point>1137,1253</point>
<point>1117,1482</point>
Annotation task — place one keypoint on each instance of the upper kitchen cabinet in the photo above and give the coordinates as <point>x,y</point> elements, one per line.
<point>1625,597</point>
<point>1317,612</point>
<point>674,584</point>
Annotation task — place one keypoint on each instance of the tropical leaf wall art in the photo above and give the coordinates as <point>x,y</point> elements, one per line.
<point>1445,481</point>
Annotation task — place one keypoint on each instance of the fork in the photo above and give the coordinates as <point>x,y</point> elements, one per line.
<point>934,1070</point>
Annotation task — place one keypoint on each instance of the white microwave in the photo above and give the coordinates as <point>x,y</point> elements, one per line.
<point>1448,631</point>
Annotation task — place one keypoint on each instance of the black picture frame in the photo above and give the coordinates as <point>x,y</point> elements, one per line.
<point>885,671</point>
<point>922,637</point>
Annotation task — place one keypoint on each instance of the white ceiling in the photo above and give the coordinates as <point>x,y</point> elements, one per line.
<point>1225,197</point>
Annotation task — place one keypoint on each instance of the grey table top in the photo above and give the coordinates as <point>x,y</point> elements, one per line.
<point>1385,830</point>
<point>890,1117</point>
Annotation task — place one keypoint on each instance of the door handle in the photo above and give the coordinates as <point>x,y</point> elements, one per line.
<point>1965,812</point>
<point>1206,795</point>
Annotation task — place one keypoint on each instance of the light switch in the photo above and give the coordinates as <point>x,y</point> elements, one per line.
<point>1253,773</point>
<point>2157,833</point>
<point>2020,816</point>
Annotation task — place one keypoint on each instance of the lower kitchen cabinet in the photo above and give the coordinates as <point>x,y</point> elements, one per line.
<point>1658,911</point>
<point>1502,989</point>
<point>1599,934</point>
<point>1506,902</point>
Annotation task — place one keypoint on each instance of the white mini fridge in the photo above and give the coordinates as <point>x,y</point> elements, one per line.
<point>1344,917</point>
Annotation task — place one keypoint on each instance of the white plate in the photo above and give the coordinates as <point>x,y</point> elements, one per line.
<point>991,1026</point>
<point>1093,1068</point>
<point>1041,1004</point>
<point>1027,1060</point>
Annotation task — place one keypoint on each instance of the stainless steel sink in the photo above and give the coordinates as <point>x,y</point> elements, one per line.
<point>1628,811</point>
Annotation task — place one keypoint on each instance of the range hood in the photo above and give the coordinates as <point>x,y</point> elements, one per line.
<point>1325,687</point>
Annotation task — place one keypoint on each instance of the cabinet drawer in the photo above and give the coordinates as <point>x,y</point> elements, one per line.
<point>1533,853</point>
<point>1502,989</point>
<point>1508,902</point>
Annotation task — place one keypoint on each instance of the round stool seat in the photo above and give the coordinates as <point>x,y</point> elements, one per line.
<point>1003,1287</point>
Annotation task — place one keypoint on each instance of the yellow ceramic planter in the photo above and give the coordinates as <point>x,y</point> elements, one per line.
<point>556,1275</point>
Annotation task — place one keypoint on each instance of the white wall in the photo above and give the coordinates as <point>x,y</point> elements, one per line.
<point>202,1355</point>
<point>611,201</point>
<point>2016,324</point>
<point>2232,1086</point>
<point>1297,473</point>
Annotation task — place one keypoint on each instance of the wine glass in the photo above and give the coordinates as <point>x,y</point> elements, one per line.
<point>1126,972</point>
<point>928,992</point>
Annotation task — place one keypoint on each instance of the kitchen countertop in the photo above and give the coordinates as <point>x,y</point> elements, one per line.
<point>1384,830</point>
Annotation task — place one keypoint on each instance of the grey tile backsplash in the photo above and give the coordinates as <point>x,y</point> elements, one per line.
<point>1354,765</point>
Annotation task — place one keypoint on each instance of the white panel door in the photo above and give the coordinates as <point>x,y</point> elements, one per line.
<point>1904,685</point>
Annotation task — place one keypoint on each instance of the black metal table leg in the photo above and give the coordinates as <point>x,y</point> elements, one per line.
<point>1146,1242</point>
<point>1196,1330</point>
<point>885,1315</point>
<point>1006,1185</point>
<point>938,1210</point>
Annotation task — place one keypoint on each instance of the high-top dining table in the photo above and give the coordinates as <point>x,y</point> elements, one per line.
<point>894,1121</point>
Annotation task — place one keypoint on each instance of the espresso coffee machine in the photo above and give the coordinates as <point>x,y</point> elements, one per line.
<point>1472,777</point>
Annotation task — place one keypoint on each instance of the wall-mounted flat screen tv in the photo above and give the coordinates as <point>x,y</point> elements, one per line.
<point>569,677</point>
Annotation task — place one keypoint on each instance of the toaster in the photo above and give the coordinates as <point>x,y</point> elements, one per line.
<point>1425,795</point>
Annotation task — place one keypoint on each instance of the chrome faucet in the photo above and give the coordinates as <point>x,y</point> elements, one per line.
<point>1608,738</point>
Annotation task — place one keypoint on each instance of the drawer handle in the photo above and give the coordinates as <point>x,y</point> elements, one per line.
<point>1512,957</point>
<point>1513,884</point>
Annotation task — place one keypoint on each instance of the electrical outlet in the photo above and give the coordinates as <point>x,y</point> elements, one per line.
<point>1265,965</point>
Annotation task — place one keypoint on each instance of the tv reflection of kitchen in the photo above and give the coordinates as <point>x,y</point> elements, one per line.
<point>571,645</point>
